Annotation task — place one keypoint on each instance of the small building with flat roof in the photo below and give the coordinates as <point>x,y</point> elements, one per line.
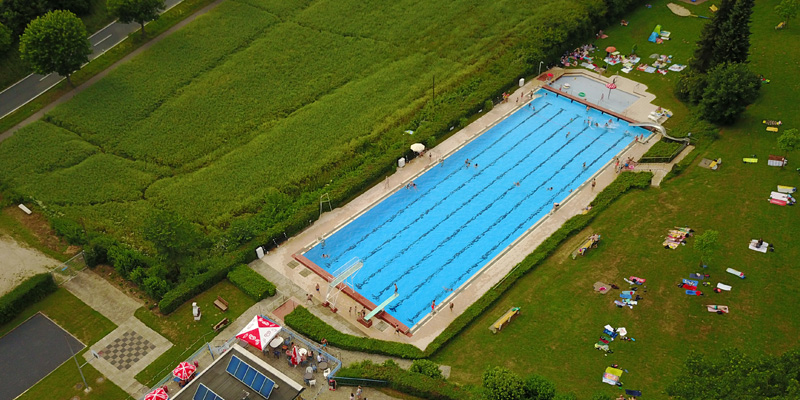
<point>236,374</point>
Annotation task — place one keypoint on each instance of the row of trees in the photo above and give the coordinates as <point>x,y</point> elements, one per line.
<point>58,42</point>
<point>719,81</point>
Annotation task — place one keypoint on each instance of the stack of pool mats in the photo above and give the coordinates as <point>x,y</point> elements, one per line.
<point>786,189</point>
<point>761,248</point>
<point>677,237</point>
<point>781,199</point>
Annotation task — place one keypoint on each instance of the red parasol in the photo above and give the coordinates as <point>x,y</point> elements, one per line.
<point>610,87</point>
<point>550,74</point>
<point>259,332</point>
<point>184,370</point>
<point>611,49</point>
<point>158,394</point>
<point>295,356</point>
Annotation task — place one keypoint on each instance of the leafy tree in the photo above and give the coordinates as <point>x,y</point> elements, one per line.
<point>788,9</point>
<point>502,384</point>
<point>427,368</point>
<point>690,87</point>
<point>789,140</point>
<point>55,42</point>
<point>730,89</point>
<point>733,41</point>
<point>5,38</point>
<point>539,388</point>
<point>141,11</point>
<point>735,376</point>
<point>79,7</point>
<point>173,237</point>
<point>704,55</point>
<point>706,244</point>
<point>16,14</point>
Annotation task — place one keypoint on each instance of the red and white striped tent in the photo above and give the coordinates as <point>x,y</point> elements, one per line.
<point>259,332</point>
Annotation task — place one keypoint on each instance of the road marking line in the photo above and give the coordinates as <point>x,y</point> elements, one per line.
<point>45,77</point>
<point>103,39</point>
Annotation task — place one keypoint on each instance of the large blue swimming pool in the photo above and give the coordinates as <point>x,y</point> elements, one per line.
<point>432,238</point>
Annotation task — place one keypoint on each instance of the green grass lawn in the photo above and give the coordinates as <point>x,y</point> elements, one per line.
<point>185,334</point>
<point>85,324</point>
<point>562,317</point>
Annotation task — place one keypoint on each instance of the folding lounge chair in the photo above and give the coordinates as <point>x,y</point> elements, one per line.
<point>724,287</point>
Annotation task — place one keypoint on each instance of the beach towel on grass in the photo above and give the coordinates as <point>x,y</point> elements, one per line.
<point>676,67</point>
<point>637,280</point>
<point>754,246</point>
<point>625,295</point>
<point>740,274</point>
<point>688,287</point>
<point>697,276</point>
<point>690,282</point>
<point>636,393</point>
<point>650,69</point>
<point>694,293</point>
<point>724,287</point>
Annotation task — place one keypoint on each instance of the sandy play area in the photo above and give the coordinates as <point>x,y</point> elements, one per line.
<point>18,262</point>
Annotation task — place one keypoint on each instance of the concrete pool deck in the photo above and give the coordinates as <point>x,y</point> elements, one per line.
<point>281,261</point>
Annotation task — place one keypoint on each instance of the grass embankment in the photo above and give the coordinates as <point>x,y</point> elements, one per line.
<point>85,324</point>
<point>562,317</point>
<point>185,334</point>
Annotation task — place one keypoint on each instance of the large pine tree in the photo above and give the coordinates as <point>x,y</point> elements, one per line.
<point>704,55</point>
<point>733,43</point>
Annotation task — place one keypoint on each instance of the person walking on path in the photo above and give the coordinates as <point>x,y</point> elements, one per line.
<point>358,393</point>
<point>594,183</point>
<point>451,306</point>
<point>317,287</point>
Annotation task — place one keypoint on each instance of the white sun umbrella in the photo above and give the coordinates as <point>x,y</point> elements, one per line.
<point>418,147</point>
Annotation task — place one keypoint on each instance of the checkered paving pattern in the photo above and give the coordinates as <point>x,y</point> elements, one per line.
<point>126,350</point>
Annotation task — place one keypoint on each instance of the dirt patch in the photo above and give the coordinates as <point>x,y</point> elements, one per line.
<point>18,262</point>
<point>38,225</point>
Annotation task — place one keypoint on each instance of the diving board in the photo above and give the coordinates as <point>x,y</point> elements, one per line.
<point>381,306</point>
<point>340,277</point>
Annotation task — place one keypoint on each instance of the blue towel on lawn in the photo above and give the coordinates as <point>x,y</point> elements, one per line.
<point>625,295</point>
<point>691,292</point>
<point>636,393</point>
<point>697,276</point>
<point>690,282</point>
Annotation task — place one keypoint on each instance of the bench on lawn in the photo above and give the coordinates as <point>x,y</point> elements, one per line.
<point>221,324</point>
<point>250,377</point>
<point>221,304</point>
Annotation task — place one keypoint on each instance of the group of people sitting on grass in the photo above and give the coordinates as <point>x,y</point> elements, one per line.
<point>677,237</point>
<point>570,58</point>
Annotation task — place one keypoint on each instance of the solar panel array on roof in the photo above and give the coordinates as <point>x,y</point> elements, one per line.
<point>204,393</point>
<point>250,376</point>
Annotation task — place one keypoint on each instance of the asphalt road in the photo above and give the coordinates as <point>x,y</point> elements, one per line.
<point>33,85</point>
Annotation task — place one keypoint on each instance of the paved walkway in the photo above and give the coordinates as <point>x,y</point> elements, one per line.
<point>126,351</point>
<point>102,296</point>
<point>33,85</point>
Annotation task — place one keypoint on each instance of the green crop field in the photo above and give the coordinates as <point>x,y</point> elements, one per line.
<point>260,104</point>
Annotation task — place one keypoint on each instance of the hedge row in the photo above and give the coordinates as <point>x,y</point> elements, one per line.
<point>307,324</point>
<point>29,292</point>
<point>192,287</point>
<point>251,282</point>
<point>408,382</point>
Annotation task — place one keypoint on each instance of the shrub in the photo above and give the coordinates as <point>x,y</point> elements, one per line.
<point>125,260</point>
<point>427,368</point>
<point>70,230</point>
<point>488,105</point>
<point>5,38</point>
<point>314,328</point>
<point>96,251</point>
<point>27,293</point>
<point>155,287</point>
<point>251,282</point>
<point>539,388</point>
<point>789,140</point>
<point>502,384</point>
<point>409,382</point>
<point>191,287</point>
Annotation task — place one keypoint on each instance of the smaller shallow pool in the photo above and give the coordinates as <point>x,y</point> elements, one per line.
<point>595,92</point>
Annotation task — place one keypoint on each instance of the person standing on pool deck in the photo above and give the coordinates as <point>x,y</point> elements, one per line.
<point>594,183</point>
<point>433,307</point>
